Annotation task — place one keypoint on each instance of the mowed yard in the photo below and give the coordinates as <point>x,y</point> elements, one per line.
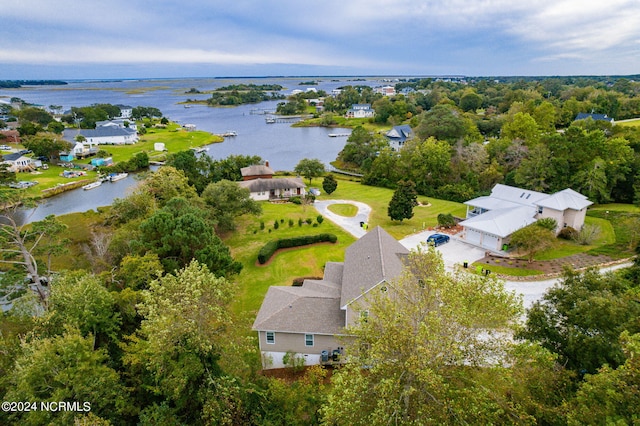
<point>245,243</point>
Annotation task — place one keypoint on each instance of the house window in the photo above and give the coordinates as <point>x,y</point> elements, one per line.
<point>540,208</point>
<point>271,337</point>
<point>308,339</point>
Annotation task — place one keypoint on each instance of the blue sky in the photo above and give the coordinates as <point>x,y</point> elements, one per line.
<point>73,39</point>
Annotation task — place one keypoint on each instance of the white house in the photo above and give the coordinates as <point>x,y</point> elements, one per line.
<point>109,135</point>
<point>492,219</point>
<point>118,122</point>
<point>398,135</point>
<point>17,162</point>
<point>360,111</point>
<point>125,111</point>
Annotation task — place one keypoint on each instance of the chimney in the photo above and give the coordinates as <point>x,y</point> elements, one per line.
<point>266,163</point>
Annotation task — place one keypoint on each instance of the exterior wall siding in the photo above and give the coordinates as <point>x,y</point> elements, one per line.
<point>295,342</point>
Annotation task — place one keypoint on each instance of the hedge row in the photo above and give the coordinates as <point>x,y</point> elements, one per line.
<point>270,248</point>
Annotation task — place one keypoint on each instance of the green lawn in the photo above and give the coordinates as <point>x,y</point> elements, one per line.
<point>424,216</point>
<point>248,239</point>
<point>173,136</point>
<point>346,210</point>
<point>563,248</point>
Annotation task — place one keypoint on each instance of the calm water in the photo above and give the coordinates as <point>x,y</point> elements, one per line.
<point>282,145</point>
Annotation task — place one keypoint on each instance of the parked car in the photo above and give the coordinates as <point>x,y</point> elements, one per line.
<point>5,148</point>
<point>438,239</point>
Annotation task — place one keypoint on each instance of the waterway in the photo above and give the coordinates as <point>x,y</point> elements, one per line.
<point>279,143</point>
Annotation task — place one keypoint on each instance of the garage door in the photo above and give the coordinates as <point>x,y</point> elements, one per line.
<point>473,236</point>
<point>490,241</point>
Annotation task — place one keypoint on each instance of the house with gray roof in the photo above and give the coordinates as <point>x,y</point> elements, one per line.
<point>360,111</point>
<point>105,135</point>
<point>398,135</point>
<point>273,189</point>
<point>257,171</point>
<point>492,219</point>
<point>595,117</point>
<point>309,320</point>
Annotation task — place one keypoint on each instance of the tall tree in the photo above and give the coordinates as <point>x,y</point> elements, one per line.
<point>177,347</point>
<point>227,201</point>
<point>310,168</point>
<point>404,199</point>
<point>182,231</point>
<point>412,357</point>
<point>66,368</point>
<point>329,184</point>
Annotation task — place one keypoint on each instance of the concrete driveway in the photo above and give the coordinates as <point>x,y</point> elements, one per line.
<point>349,224</point>
<point>455,252</point>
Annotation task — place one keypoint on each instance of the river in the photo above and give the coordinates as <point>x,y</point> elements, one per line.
<point>279,143</point>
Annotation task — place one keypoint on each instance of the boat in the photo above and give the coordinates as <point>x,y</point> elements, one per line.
<point>92,185</point>
<point>200,150</point>
<point>270,120</point>
<point>114,177</point>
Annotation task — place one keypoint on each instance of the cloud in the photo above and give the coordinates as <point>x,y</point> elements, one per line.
<point>465,36</point>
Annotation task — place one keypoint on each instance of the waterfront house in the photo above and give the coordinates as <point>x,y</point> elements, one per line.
<point>109,135</point>
<point>310,320</point>
<point>360,111</point>
<point>257,171</point>
<point>17,162</point>
<point>264,189</point>
<point>125,111</point>
<point>492,219</point>
<point>398,135</point>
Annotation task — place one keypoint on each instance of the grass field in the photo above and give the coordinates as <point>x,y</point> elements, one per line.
<point>308,261</point>
<point>378,199</point>
<point>254,280</point>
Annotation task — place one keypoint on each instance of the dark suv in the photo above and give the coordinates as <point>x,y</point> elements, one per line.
<point>437,239</point>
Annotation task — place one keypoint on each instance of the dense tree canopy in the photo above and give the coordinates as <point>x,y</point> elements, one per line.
<point>409,355</point>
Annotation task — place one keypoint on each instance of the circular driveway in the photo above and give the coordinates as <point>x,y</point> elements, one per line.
<point>349,224</point>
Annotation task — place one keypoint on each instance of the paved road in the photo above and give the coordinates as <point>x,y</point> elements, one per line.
<point>455,252</point>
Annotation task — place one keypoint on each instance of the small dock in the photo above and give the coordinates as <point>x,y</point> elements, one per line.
<point>227,134</point>
<point>339,135</point>
<point>286,118</point>
<point>262,111</point>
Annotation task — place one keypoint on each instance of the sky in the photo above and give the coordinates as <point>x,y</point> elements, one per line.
<point>105,39</point>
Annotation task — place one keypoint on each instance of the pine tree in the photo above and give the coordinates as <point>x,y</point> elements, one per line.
<point>404,199</point>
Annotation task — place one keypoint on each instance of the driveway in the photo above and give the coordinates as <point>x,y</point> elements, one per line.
<point>349,224</point>
<point>455,252</point>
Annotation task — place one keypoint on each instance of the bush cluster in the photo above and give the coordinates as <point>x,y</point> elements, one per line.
<point>270,248</point>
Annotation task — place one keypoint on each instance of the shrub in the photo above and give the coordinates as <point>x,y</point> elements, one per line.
<point>296,200</point>
<point>294,361</point>
<point>548,223</point>
<point>320,219</point>
<point>290,223</point>
<point>568,233</point>
<point>315,225</point>
<point>270,248</point>
<point>261,225</point>
<point>276,225</point>
<point>587,234</point>
<point>309,220</point>
<point>446,220</point>
<point>300,222</point>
